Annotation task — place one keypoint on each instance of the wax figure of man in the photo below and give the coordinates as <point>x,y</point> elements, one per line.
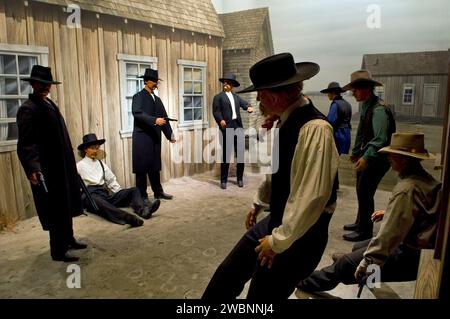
<point>45,152</point>
<point>412,216</point>
<point>287,245</point>
<point>226,111</point>
<point>149,121</point>
<point>376,125</point>
<point>106,192</point>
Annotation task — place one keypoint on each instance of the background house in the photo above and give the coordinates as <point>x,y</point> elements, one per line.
<point>248,39</point>
<point>415,83</point>
<point>97,49</point>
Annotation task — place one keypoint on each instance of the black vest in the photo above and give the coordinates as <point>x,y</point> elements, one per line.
<point>344,113</point>
<point>287,142</point>
<point>368,133</point>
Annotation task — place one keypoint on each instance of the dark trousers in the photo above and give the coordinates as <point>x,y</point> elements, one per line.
<point>108,205</point>
<point>155,183</point>
<point>277,283</point>
<point>232,139</point>
<point>366,185</point>
<point>402,265</point>
<point>60,232</point>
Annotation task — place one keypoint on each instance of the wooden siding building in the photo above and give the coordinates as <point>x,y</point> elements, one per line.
<point>97,49</point>
<point>415,83</point>
<point>248,39</point>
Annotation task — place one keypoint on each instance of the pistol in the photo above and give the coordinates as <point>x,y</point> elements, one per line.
<point>41,182</point>
<point>361,284</point>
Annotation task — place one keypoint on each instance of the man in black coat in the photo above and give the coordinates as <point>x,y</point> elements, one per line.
<point>46,154</point>
<point>228,116</point>
<point>149,120</point>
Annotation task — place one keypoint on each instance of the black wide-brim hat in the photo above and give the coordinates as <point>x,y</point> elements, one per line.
<point>332,87</point>
<point>150,74</point>
<point>41,74</point>
<point>279,70</point>
<point>90,139</point>
<point>232,79</point>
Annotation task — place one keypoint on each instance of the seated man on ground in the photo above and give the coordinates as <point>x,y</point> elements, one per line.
<point>106,191</point>
<point>411,224</point>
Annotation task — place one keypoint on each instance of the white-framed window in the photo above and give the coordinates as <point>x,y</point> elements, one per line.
<point>130,68</point>
<point>192,94</point>
<point>379,91</point>
<point>408,94</point>
<point>16,62</point>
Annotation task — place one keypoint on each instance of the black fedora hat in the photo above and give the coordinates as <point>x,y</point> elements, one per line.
<point>279,70</point>
<point>333,87</point>
<point>41,74</point>
<point>150,74</point>
<point>232,78</point>
<point>90,139</point>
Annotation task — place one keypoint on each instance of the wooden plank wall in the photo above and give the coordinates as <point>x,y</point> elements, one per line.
<point>394,93</point>
<point>85,60</point>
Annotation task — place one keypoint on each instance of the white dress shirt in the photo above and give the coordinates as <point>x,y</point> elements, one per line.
<point>233,106</point>
<point>91,172</point>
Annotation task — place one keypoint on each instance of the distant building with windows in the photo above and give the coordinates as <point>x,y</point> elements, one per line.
<point>414,83</point>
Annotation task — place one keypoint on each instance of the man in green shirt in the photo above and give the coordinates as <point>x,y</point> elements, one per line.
<point>376,125</point>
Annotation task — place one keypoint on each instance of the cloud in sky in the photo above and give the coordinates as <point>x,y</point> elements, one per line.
<point>335,33</point>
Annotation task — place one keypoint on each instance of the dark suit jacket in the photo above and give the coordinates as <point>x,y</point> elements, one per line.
<point>146,135</point>
<point>222,108</point>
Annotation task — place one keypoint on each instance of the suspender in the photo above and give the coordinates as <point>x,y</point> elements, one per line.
<point>103,169</point>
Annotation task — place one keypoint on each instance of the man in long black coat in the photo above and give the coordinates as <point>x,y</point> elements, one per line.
<point>45,150</point>
<point>149,120</point>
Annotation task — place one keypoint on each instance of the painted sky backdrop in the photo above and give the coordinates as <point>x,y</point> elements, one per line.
<point>335,33</point>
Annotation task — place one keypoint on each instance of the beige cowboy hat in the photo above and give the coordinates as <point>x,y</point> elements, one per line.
<point>360,76</point>
<point>408,144</point>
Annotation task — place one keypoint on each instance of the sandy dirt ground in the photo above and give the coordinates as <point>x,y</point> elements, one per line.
<point>173,255</point>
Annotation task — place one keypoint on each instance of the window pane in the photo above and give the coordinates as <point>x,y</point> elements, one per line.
<point>198,101</point>
<point>188,87</point>
<point>197,87</point>
<point>8,64</point>
<point>132,70</point>
<point>26,63</point>
<point>132,87</point>
<point>143,67</point>
<point>188,103</point>
<point>197,74</point>
<point>187,74</point>
<point>4,131</point>
<point>188,115</point>
<point>12,131</point>
<point>11,107</point>
<point>198,114</point>
<point>8,86</point>
<point>25,88</point>
<point>3,109</point>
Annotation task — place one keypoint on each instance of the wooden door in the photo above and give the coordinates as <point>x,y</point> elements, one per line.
<point>430,97</point>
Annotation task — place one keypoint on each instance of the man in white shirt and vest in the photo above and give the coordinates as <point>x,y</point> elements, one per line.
<point>226,112</point>
<point>288,244</point>
<point>106,192</point>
